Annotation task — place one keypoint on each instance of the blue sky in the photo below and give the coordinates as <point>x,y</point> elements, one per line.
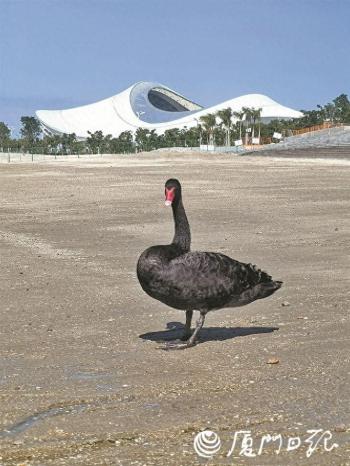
<point>63,53</point>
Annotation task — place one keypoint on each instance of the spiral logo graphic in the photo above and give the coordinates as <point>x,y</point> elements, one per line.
<point>207,443</point>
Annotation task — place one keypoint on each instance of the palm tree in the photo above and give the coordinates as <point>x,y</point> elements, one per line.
<point>239,116</point>
<point>53,143</point>
<point>5,134</point>
<point>141,138</point>
<point>248,118</point>
<point>255,114</point>
<point>258,114</point>
<point>193,136</point>
<point>183,134</point>
<point>94,141</point>
<point>209,123</point>
<point>124,142</point>
<point>172,137</point>
<point>329,111</point>
<point>226,118</point>
<point>199,131</point>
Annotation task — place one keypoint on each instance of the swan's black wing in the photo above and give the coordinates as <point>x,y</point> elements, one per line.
<point>206,280</point>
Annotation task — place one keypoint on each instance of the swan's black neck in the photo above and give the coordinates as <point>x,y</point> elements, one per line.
<point>182,235</point>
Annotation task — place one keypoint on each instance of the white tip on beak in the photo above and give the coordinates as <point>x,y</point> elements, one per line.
<point>168,203</point>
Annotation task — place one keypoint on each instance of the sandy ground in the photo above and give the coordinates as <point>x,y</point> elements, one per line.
<point>81,379</point>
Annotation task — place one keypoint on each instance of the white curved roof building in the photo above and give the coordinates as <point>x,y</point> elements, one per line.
<point>152,106</point>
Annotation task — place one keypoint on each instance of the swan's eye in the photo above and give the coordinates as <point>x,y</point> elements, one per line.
<point>169,196</point>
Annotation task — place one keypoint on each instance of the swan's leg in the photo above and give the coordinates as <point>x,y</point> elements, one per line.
<point>192,341</point>
<point>187,331</point>
<point>199,324</point>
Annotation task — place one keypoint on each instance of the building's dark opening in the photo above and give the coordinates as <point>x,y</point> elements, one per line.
<point>164,102</point>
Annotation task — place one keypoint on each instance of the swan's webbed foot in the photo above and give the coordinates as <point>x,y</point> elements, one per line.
<point>176,345</point>
<point>192,341</point>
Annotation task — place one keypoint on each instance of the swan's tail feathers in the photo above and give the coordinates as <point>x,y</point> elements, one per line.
<point>268,288</point>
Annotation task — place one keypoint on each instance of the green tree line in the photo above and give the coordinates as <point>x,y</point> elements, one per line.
<point>221,128</point>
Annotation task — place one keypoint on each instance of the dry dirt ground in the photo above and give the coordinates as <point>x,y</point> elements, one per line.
<point>81,379</point>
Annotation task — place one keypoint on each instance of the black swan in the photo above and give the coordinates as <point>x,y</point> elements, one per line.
<point>202,281</point>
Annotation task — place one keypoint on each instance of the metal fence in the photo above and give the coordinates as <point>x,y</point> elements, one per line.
<point>232,149</point>
<point>21,157</point>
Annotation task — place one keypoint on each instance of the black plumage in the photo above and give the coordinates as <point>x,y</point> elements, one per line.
<point>202,281</point>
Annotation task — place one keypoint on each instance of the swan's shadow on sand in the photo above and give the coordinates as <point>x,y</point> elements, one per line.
<point>175,329</point>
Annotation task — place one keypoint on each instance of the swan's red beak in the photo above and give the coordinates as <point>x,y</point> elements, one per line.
<point>169,196</point>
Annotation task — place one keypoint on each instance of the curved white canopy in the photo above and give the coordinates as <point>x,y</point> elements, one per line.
<point>152,106</point>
